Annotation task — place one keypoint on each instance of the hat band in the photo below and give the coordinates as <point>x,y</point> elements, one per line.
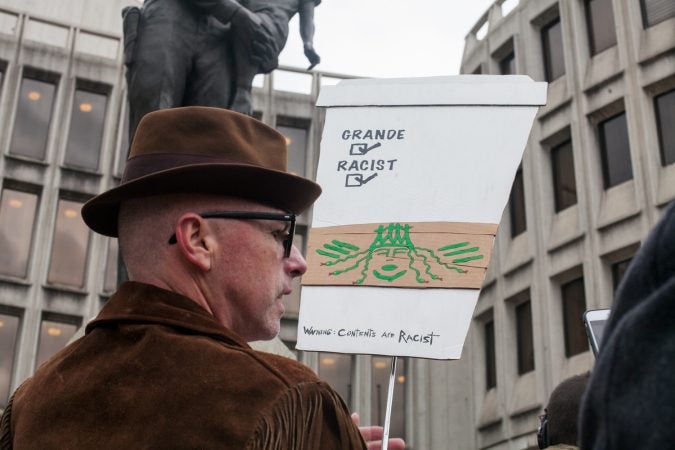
<point>142,165</point>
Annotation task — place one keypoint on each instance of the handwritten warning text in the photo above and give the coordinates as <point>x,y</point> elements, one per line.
<point>400,336</point>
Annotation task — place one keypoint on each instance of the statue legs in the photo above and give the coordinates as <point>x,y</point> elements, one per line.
<point>178,61</point>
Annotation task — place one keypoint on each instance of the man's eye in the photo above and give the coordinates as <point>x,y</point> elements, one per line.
<point>280,234</point>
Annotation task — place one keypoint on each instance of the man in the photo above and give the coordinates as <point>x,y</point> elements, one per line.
<point>558,428</point>
<point>205,215</point>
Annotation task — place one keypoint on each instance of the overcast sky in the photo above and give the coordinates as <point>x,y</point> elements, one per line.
<point>388,38</point>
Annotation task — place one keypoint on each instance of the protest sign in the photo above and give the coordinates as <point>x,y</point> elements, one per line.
<point>415,174</point>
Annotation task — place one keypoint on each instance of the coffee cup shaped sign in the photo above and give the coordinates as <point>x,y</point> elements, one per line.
<point>415,174</point>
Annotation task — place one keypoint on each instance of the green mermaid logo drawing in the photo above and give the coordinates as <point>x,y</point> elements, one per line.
<point>392,256</point>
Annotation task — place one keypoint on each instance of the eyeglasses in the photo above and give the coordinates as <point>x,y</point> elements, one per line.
<point>252,215</point>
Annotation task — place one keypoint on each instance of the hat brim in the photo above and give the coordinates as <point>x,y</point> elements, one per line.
<point>271,187</point>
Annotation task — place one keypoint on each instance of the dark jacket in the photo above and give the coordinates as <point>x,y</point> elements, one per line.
<point>630,400</point>
<point>155,370</point>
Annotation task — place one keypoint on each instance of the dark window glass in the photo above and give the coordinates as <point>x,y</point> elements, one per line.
<point>33,114</point>
<point>53,337</point>
<point>618,271</point>
<point>524,338</point>
<point>336,370</point>
<point>665,123</point>
<point>564,181</point>
<point>296,141</point>
<point>656,11</point>
<point>517,205</point>
<point>600,23</point>
<point>86,129</point>
<point>490,355</point>
<point>574,306</point>
<point>507,65</point>
<point>381,369</point>
<point>110,280</point>
<point>615,151</point>
<point>9,330</point>
<point>17,216</point>
<point>69,250</point>
<point>554,60</point>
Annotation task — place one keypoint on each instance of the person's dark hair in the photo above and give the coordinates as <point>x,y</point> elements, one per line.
<point>563,410</point>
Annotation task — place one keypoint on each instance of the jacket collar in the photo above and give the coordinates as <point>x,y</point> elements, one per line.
<point>141,303</point>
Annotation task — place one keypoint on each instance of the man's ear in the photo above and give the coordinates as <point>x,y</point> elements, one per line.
<point>194,240</point>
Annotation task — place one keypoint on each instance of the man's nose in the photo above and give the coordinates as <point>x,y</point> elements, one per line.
<point>295,263</point>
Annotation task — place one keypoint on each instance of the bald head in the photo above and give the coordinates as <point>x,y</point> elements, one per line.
<point>146,224</point>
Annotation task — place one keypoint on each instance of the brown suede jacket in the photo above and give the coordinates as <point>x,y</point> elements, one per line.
<point>156,371</point>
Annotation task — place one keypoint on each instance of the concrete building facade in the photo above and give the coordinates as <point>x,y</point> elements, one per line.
<point>596,175</point>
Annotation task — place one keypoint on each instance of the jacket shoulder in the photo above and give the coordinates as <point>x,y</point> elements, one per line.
<point>293,372</point>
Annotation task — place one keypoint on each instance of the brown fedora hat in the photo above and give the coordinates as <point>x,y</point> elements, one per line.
<point>207,151</point>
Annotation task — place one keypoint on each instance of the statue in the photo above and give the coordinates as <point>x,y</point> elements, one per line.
<point>206,52</point>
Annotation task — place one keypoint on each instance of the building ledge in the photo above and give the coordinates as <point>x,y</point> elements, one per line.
<point>528,409</point>
<point>65,289</point>
<point>15,281</point>
<point>489,424</point>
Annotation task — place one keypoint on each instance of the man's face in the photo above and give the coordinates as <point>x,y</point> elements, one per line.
<point>250,274</point>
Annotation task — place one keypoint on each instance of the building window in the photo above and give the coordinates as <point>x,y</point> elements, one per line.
<point>9,331</point>
<point>554,60</point>
<point>507,65</point>
<point>17,216</point>
<point>69,249</point>
<point>524,338</point>
<point>517,205</point>
<point>296,133</point>
<point>381,369</point>
<point>336,370</point>
<point>564,180</point>
<point>574,306</point>
<point>664,105</point>
<point>490,355</point>
<point>54,335</point>
<point>478,70</point>
<point>600,24</point>
<point>615,151</point>
<point>656,11</point>
<point>111,262</point>
<point>33,115</point>
<point>86,129</point>
<point>618,271</point>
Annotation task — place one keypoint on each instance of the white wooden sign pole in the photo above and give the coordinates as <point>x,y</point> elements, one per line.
<point>415,173</point>
<point>390,400</point>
